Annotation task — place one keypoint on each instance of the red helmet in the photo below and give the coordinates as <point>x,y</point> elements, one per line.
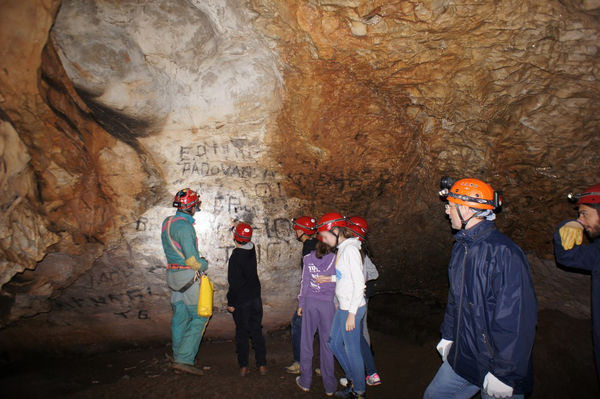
<point>331,220</point>
<point>359,227</point>
<point>243,232</point>
<point>305,224</point>
<point>589,196</point>
<point>186,198</point>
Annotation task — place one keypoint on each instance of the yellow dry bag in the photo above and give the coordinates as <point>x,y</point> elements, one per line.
<point>205,298</point>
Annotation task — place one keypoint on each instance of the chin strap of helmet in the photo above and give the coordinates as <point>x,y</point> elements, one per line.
<point>299,238</point>
<point>337,237</point>
<point>463,222</point>
<point>190,211</point>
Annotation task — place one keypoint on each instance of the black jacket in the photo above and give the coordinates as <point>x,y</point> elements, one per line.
<point>307,247</point>
<point>492,310</point>
<point>242,276</point>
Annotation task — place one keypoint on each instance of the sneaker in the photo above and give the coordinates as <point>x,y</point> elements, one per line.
<point>373,379</point>
<point>344,382</point>
<point>186,368</point>
<point>300,386</point>
<point>358,395</point>
<point>293,368</point>
<point>318,372</point>
<point>262,370</point>
<point>244,371</point>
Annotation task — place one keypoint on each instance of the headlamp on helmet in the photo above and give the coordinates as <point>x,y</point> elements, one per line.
<point>589,196</point>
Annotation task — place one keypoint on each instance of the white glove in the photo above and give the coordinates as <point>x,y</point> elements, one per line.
<point>496,388</point>
<point>443,347</point>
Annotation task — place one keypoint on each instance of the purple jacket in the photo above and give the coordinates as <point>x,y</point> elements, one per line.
<point>312,268</point>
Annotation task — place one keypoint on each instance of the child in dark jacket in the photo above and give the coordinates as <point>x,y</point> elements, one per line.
<point>244,301</point>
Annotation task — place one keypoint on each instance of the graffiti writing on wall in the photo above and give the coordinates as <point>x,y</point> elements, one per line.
<point>206,160</point>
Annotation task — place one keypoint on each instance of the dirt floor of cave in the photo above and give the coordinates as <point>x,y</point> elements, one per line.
<point>404,332</point>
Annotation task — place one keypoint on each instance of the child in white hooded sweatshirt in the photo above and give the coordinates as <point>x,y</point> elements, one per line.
<point>345,334</point>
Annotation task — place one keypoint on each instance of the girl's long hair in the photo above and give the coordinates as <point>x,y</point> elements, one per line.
<point>322,249</point>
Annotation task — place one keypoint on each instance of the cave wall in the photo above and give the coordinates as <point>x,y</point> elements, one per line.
<point>272,109</point>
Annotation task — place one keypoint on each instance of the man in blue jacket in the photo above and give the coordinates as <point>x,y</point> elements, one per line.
<point>489,324</point>
<point>569,252</point>
<point>183,261</point>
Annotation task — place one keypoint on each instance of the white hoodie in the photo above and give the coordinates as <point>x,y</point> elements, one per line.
<point>350,281</point>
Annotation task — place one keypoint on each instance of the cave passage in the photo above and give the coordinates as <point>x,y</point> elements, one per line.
<point>270,110</point>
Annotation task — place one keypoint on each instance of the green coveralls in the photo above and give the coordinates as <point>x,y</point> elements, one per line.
<point>187,327</point>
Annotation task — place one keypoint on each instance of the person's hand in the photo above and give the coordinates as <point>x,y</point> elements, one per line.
<point>204,264</point>
<point>323,279</point>
<point>299,312</point>
<point>443,348</point>
<point>201,265</point>
<point>570,234</point>
<point>230,309</point>
<point>496,388</point>
<point>350,321</point>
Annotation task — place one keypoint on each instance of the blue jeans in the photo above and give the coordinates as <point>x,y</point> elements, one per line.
<point>296,326</point>
<point>345,345</point>
<point>187,329</point>
<point>448,385</point>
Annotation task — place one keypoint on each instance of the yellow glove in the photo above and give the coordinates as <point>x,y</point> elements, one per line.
<point>201,265</point>
<point>570,234</point>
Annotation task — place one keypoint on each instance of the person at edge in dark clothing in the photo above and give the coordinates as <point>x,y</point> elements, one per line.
<point>305,230</point>
<point>570,252</point>
<point>244,300</point>
<point>489,325</point>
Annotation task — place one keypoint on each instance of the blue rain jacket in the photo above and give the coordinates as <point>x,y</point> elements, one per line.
<point>586,257</point>
<point>491,313</point>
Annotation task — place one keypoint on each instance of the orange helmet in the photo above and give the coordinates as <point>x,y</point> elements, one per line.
<point>473,193</point>
<point>589,196</point>
<point>242,233</point>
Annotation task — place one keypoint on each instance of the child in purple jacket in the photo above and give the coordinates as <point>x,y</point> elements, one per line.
<point>315,305</point>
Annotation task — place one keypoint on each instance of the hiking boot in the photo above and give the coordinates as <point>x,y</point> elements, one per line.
<point>244,371</point>
<point>262,370</point>
<point>293,368</point>
<point>373,379</point>
<point>186,368</point>
<point>300,386</point>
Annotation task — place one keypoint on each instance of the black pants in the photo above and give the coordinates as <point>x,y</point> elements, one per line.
<point>248,325</point>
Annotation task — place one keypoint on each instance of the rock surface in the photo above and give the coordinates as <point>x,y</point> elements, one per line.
<point>272,109</point>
